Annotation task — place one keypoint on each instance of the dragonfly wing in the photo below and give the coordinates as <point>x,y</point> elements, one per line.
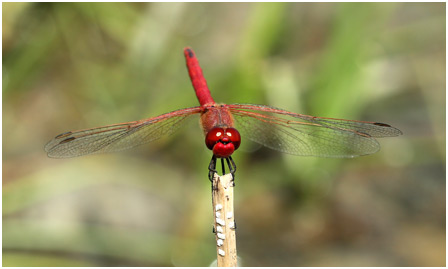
<point>304,135</point>
<point>117,137</point>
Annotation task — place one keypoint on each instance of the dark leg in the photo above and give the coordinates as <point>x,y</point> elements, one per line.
<point>232,168</point>
<point>212,168</point>
<point>223,167</point>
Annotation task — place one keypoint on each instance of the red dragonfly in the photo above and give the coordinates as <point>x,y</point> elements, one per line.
<point>272,127</point>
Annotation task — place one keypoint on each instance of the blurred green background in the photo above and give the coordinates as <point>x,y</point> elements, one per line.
<point>81,65</point>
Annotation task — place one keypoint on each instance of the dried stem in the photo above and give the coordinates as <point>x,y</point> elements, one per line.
<point>224,223</point>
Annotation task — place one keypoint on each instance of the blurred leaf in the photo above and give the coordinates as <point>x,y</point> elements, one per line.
<point>336,88</point>
<point>98,240</point>
<point>11,259</point>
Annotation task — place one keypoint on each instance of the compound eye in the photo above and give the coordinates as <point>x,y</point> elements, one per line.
<point>213,136</point>
<point>234,136</point>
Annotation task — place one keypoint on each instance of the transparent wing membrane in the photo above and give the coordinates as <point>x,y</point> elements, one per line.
<point>307,135</point>
<point>275,128</point>
<point>117,137</point>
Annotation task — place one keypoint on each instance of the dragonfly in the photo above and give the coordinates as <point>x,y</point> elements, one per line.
<point>275,128</point>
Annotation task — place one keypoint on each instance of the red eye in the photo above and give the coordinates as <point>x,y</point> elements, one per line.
<point>234,136</point>
<point>223,136</point>
<point>213,136</point>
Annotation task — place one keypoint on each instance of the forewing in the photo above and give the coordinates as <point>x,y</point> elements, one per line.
<point>304,135</point>
<point>117,137</point>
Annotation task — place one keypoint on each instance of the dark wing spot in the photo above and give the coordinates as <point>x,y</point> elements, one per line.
<point>67,140</point>
<point>63,135</point>
<point>382,124</point>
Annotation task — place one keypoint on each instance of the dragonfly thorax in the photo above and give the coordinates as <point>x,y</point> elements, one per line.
<point>223,141</point>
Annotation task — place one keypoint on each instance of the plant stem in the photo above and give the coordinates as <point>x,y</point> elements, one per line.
<point>224,220</point>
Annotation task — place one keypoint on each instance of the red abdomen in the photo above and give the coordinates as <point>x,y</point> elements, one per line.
<point>197,78</point>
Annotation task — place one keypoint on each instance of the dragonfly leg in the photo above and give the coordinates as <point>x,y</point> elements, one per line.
<point>212,168</point>
<point>223,167</point>
<point>232,168</point>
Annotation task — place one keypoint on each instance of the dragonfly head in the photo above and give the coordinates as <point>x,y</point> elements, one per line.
<point>223,141</point>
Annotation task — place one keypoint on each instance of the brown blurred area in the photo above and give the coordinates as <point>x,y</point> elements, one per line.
<point>69,66</point>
